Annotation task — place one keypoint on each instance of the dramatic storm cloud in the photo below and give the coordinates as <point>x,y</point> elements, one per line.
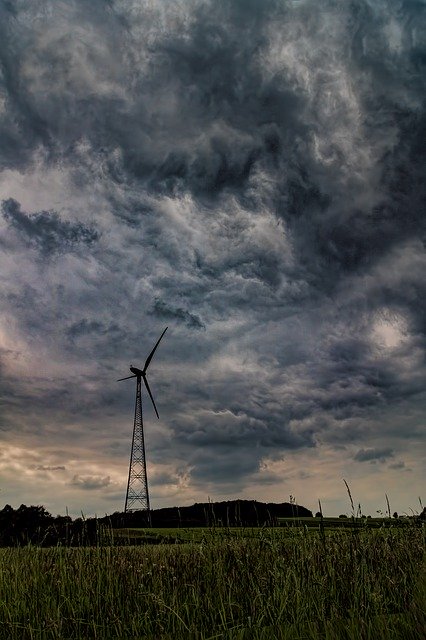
<point>251,174</point>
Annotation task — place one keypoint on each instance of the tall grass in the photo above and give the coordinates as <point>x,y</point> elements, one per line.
<point>361,584</point>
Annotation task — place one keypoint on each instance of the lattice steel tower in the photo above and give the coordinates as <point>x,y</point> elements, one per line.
<point>137,495</point>
<point>137,485</point>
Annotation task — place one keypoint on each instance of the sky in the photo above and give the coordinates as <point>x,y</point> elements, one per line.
<point>251,174</point>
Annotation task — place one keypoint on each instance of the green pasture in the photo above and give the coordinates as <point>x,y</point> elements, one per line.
<point>190,534</point>
<point>291,583</point>
<point>287,527</point>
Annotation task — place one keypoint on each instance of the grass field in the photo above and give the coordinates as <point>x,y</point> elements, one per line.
<point>199,534</point>
<point>258,583</point>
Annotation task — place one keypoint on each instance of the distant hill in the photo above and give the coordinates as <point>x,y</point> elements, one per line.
<point>232,513</point>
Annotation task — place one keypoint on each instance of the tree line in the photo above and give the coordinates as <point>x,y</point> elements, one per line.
<point>35,525</point>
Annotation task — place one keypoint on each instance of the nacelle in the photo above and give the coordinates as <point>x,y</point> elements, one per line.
<point>136,371</point>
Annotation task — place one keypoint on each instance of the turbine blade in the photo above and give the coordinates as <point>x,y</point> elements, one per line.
<point>120,379</point>
<point>150,395</point>
<point>149,358</point>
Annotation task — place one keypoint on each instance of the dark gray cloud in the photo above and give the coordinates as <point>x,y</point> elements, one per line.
<point>374,455</point>
<point>45,230</point>
<point>90,482</point>
<point>397,465</point>
<point>162,310</point>
<point>86,327</point>
<point>249,173</point>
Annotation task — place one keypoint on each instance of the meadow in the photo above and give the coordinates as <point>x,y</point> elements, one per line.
<point>285,582</point>
<point>176,535</point>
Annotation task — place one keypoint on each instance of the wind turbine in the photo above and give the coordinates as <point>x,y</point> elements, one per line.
<point>137,497</point>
